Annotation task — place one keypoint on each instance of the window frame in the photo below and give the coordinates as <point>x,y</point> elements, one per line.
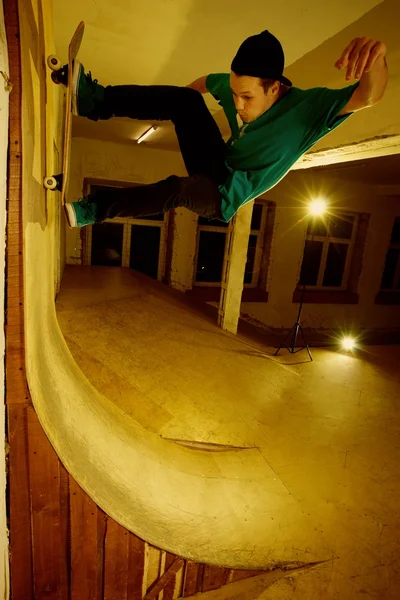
<point>260,233</point>
<point>396,278</point>
<point>326,241</point>
<point>127,222</point>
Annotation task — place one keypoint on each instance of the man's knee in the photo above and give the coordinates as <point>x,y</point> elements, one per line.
<point>190,99</point>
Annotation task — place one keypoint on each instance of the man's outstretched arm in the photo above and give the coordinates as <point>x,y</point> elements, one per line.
<point>364,59</point>
<point>199,85</point>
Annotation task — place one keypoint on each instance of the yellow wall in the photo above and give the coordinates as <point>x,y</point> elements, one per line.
<point>317,69</point>
<point>107,160</point>
<point>287,249</point>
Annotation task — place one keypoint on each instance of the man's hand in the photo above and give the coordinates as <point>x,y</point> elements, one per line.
<point>364,59</point>
<point>360,56</point>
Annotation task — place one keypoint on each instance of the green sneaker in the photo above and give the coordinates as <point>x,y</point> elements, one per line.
<point>81,213</point>
<point>87,94</point>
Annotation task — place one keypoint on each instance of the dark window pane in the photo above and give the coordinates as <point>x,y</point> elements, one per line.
<point>335,263</point>
<point>145,248</point>
<point>107,244</point>
<point>212,222</point>
<point>211,256</point>
<point>341,226</point>
<point>390,268</point>
<point>317,227</point>
<point>311,262</point>
<point>256,217</point>
<point>395,239</point>
<point>251,254</point>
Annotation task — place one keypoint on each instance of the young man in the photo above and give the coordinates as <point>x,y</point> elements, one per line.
<point>272,124</point>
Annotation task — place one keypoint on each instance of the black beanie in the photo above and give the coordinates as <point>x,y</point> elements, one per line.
<point>261,56</point>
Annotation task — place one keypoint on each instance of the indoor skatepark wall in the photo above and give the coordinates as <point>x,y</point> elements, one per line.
<point>291,196</point>
<point>225,508</point>
<point>111,161</point>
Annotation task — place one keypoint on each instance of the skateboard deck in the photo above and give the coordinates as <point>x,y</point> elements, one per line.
<point>63,75</point>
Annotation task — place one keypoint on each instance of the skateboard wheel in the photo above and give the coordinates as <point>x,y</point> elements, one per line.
<point>53,62</point>
<point>50,183</point>
<point>54,77</point>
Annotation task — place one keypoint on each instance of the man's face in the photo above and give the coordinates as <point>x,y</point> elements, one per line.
<point>250,99</point>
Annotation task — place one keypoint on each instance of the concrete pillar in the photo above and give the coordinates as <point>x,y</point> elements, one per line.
<point>183,249</point>
<point>233,271</point>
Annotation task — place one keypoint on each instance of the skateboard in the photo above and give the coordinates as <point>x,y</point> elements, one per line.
<point>63,74</point>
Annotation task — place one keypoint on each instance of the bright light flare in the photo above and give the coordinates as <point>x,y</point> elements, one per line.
<point>348,343</point>
<point>317,207</point>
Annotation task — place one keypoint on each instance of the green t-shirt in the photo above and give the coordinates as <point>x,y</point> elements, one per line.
<point>260,153</point>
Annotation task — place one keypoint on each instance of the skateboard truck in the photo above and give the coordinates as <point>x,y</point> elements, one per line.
<point>59,72</point>
<point>54,182</point>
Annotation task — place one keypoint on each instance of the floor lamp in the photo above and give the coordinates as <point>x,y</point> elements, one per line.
<point>316,209</point>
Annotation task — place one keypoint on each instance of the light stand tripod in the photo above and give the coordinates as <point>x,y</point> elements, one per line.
<point>291,339</point>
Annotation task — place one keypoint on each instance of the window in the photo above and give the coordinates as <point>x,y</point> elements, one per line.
<point>138,243</point>
<point>328,252</point>
<point>211,239</point>
<point>107,242</point>
<point>391,272</point>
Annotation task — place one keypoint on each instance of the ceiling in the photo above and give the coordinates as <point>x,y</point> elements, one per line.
<point>176,41</point>
<point>384,170</point>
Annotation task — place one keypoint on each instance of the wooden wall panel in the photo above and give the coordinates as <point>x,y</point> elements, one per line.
<point>49,549</point>
<point>214,578</point>
<point>116,562</point>
<point>136,566</point>
<point>190,579</point>
<point>87,533</point>
<point>169,590</point>
<point>19,504</point>
<point>237,574</point>
<point>168,575</point>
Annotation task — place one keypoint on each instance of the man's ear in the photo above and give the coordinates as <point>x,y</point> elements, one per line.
<point>275,87</point>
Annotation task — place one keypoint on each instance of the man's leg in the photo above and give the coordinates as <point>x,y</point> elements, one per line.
<point>202,146</point>
<point>197,193</point>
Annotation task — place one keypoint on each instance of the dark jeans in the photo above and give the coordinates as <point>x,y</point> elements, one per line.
<point>200,141</point>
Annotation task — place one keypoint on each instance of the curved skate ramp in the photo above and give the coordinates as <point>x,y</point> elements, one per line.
<point>226,508</point>
<point>312,491</point>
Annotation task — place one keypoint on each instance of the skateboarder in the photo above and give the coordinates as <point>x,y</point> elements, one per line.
<point>272,124</point>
